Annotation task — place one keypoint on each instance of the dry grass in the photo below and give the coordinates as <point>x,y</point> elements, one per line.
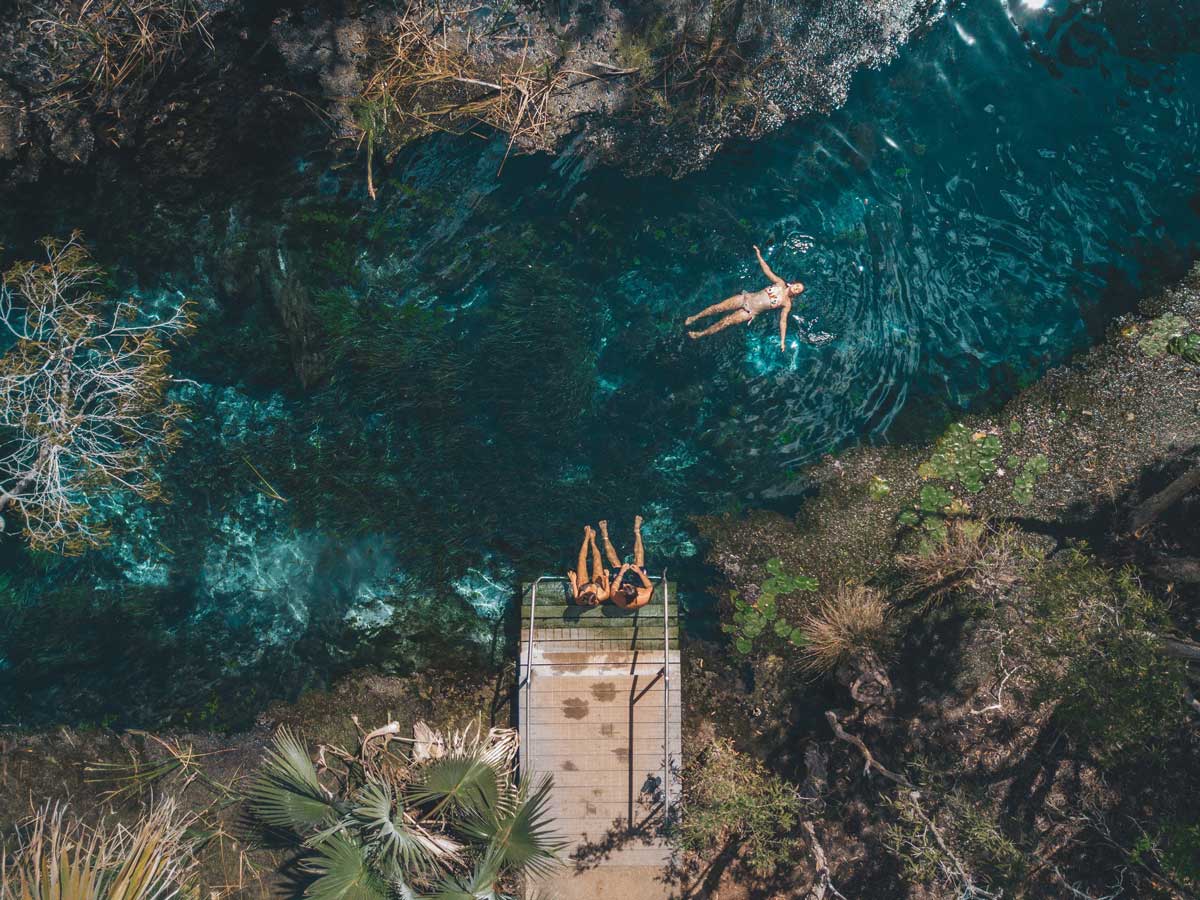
<point>59,858</point>
<point>849,623</point>
<point>105,48</point>
<point>424,84</point>
<point>972,556</point>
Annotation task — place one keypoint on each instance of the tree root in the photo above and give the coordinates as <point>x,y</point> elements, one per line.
<point>871,761</point>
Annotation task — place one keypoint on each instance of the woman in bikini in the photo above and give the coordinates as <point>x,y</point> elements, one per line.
<point>745,307</point>
<point>628,595</point>
<point>593,590</point>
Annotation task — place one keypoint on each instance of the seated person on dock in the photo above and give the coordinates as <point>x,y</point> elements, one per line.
<point>628,595</point>
<point>594,590</point>
<point>745,307</point>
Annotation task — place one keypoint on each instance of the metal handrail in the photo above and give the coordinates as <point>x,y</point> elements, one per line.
<point>527,748</point>
<point>666,701</point>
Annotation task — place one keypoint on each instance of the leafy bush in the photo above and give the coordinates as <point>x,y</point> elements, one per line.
<point>849,623</point>
<point>973,851</point>
<point>1101,660</point>
<point>447,815</point>
<point>1176,849</point>
<point>730,798</point>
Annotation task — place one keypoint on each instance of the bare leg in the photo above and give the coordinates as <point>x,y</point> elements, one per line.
<point>733,302</point>
<point>597,562</point>
<point>580,577</point>
<point>639,551</point>
<point>736,318</point>
<point>609,550</point>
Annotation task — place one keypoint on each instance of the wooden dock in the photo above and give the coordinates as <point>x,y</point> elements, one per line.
<point>595,712</point>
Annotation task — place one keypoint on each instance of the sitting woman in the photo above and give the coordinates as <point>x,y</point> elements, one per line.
<point>628,595</point>
<point>594,590</point>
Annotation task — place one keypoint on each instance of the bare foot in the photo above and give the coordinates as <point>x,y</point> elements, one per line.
<point>637,521</point>
<point>690,319</point>
<point>693,334</point>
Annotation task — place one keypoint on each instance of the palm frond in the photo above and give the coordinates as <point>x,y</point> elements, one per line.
<point>397,837</point>
<point>481,884</point>
<point>521,837</point>
<point>461,783</point>
<point>343,872</point>
<point>474,774</point>
<point>152,858</point>
<point>286,792</point>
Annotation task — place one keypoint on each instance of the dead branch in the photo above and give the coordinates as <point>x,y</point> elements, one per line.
<point>1145,513</point>
<point>871,761</point>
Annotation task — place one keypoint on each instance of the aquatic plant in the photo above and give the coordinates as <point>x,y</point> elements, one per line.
<point>732,800</point>
<point>58,858</point>
<point>1023,484</point>
<point>1186,346</point>
<point>964,456</point>
<point>1160,332</point>
<point>852,621</point>
<point>83,406</point>
<point>751,620</point>
<point>446,814</point>
<point>878,487</point>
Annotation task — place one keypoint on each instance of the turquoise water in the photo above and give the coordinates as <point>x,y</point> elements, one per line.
<point>508,359</point>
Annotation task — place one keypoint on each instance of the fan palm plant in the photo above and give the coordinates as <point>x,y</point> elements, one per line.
<point>443,819</point>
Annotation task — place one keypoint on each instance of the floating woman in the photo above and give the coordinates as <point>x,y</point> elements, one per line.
<point>744,307</point>
<point>628,595</point>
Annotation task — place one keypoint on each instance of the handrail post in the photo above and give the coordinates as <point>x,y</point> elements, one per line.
<point>666,702</point>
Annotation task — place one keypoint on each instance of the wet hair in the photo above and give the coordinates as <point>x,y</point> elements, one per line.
<point>629,589</point>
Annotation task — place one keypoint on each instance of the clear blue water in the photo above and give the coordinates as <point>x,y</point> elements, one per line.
<point>975,213</point>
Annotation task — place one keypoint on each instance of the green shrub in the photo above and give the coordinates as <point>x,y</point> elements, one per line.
<point>1100,658</point>
<point>730,798</point>
<point>988,858</point>
<point>1176,848</point>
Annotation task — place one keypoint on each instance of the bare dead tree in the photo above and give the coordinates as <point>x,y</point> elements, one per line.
<point>83,396</point>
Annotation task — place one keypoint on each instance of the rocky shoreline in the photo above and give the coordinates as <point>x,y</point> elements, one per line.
<point>650,88</point>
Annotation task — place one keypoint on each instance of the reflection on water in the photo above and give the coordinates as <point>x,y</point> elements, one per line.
<point>513,362</point>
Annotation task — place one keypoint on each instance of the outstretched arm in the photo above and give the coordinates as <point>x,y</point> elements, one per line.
<point>767,269</point>
<point>783,319</point>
